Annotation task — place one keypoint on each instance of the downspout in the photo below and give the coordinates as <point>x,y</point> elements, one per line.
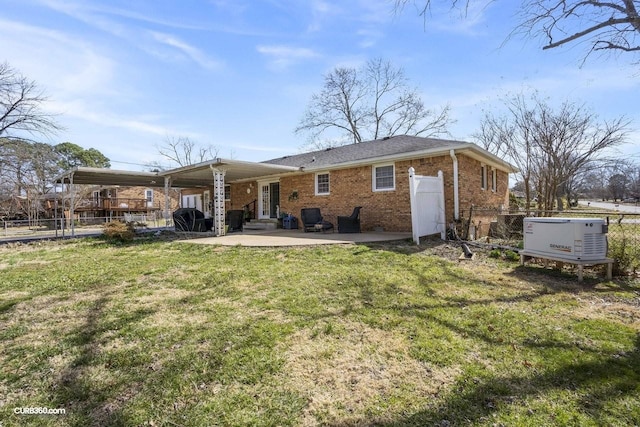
<point>456,202</point>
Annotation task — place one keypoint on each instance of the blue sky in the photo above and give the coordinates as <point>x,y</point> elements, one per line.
<point>124,75</point>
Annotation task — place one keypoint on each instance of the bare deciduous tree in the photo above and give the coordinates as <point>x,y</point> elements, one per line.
<point>605,25</point>
<point>368,103</point>
<point>26,171</point>
<point>182,151</point>
<point>21,106</point>
<point>609,25</point>
<point>549,146</point>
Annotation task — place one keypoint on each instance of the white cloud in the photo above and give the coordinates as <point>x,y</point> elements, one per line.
<point>73,66</point>
<point>142,124</point>
<point>466,18</point>
<point>374,12</point>
<point>282,57</point>
<point>192,52</point>
<point>321,11</point>
<point>101,18</point>
<point>369,37</point>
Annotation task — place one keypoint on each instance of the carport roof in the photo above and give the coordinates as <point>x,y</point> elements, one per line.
<point>191,176</point>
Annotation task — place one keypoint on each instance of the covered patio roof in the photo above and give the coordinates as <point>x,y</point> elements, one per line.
<point>235,170</point>
<point>191,176</point>
<point>100,176</point>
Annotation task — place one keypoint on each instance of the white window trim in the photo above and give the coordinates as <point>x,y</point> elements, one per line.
<point>373,177</point>
<point>225,192</point>
<point>316,183</point>
<point>148,197</point>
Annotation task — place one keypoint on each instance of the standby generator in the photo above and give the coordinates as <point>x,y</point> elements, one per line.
<point>580,239</point>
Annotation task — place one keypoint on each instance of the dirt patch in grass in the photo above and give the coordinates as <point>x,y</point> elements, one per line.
<point>13,294</point>
<point>598,308</point>
<point>351,373</point>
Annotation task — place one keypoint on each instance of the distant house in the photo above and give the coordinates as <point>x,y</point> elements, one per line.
<point>112,201</point>
<point>371,174</point>
<point>117,201</point>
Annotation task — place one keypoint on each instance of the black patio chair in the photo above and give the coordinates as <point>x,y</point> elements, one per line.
<point>235,219</point>
<point>350,224</point>
<point>312,220</point>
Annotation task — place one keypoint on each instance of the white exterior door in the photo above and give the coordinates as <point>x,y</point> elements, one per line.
<point>264,202</point>
<point>268,200</point>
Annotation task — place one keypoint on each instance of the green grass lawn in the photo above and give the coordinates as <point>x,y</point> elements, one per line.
<point>159,333</point>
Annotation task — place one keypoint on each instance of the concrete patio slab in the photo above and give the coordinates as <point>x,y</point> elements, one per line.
<point>273,238</point>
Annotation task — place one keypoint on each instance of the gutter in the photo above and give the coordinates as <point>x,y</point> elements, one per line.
<point>456,202</point>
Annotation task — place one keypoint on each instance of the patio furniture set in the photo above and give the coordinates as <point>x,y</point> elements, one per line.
<point>190,219</point>
<point>312,220</point>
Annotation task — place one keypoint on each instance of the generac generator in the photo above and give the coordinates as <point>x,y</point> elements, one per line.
<point>580,239</point>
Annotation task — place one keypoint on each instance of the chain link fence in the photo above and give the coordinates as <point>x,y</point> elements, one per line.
<point>500,227</point>
<point>53,228</point>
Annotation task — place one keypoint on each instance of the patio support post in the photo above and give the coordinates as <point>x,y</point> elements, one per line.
<point>167,202</point>
<point>218,200</point>
<point>55,208</point>
<point>72,189</point>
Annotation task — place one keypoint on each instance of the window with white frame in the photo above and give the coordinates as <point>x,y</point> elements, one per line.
<point>148,195</point>
<point>227,192</point>
<point>384,178</point>
<point>483,177</point>
<point>494,180</point>
<point>322,184</point>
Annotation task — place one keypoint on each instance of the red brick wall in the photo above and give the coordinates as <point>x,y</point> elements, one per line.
<point>240,196</point>
<point>390,210</point>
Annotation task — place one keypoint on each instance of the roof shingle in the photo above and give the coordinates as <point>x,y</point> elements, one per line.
<point>395,145</point>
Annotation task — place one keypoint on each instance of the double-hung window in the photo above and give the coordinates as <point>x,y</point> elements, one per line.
<point>483,177</point>
<point>384,178</point>
<point>494,180</point>
<point>322,184</point>
<point>148,195</point>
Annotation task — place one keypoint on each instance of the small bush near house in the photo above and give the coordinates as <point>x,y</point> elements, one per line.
<point>511,255</point>
<point>119,231</point>
<point>508,255</point>
<point>623,248</point>
<point>495,253</point>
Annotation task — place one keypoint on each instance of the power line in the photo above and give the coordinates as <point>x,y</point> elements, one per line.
<point>146,166</point>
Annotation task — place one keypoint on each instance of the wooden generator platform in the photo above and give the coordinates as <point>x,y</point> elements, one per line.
<point>526,256</point>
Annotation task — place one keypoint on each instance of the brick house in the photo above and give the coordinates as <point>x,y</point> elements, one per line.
<point>374,175</point>
<point>371,174</point>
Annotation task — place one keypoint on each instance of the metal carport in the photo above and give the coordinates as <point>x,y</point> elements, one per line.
<point>214,172</point>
